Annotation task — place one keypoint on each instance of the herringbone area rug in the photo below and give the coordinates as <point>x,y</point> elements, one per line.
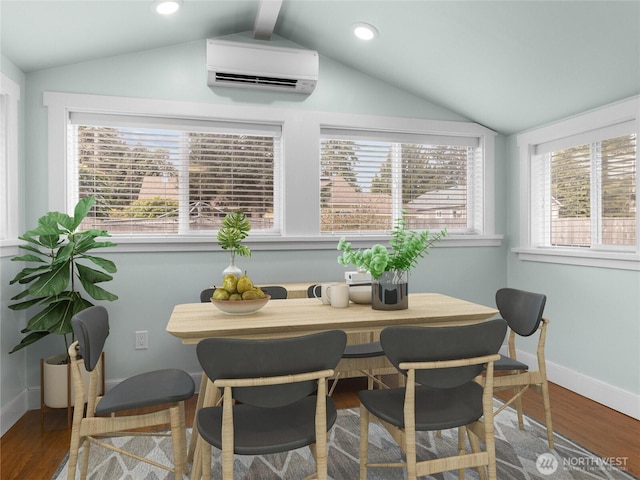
<point>521,455</point>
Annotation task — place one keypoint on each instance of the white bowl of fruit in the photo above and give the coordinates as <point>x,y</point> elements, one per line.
<point>239,296</point>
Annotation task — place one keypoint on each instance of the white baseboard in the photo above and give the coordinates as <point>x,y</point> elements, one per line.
<point>594,389</point>
<point>13,411</point>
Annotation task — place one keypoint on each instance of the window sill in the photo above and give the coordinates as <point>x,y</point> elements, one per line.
<point>590,258</point>
<point>9,248</point>
<point>272,243</point>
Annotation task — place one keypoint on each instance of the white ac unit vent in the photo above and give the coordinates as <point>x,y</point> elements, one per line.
<point>248,65</point>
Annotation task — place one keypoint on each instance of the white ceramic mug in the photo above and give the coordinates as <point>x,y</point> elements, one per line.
<point>338,295</point>
<point>323,289</point>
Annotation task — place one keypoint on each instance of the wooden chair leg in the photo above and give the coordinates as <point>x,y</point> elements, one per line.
<point>73,454</point>
<point>86,452</point>
<point>518,404</point>
<point>475,448</point>
<point>176,442</point>
<point>364,441</point>
<point>547,412</point>
<point>205,449</point>
<point>462,433</point>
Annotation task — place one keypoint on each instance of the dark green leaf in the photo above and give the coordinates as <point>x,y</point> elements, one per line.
<point>27,258</point>
<point>26,304</point>
<point>97,292</point>
<point>26,274</point>
<point>64,253</point>
<point>54,318</point>
<point>33,249</point>
<point>82,208</point>
<point>63,219</point>
<point>107,265</point>
<point>91,275</point>
<point>28,340</point>
<point>50,241</point>
<point>52,283</point>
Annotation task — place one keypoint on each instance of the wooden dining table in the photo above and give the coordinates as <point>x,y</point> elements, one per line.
<point>192,322</point>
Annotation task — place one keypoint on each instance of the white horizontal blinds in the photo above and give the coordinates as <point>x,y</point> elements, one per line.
<point>355,186</point>
<point>619,194</point>
<point>368,178</point>
<point>173,176</point>
<point>588,190</point>
<point>570,189</point>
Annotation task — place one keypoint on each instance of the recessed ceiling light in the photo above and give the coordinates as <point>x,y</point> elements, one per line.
<point>167,7</point>
<point>364,31</point>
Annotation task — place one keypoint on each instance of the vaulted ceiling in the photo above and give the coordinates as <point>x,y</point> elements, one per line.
<point>509,65</point>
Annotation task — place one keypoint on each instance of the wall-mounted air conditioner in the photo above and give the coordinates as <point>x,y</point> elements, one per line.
<point>248,65</point>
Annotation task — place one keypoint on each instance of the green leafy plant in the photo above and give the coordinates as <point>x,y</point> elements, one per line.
<point>235,228</point>
<point>60,263</point>
<point>407,246</point>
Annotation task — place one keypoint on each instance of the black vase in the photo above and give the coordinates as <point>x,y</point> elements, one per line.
<point>390,291</point>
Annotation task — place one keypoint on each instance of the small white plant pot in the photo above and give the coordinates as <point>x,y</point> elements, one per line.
<point>55,381</point>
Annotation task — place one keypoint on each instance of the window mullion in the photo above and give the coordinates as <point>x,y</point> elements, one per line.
<point>183,182</point>
<point>546,202</point>
<point>596,193</point>
<point>396,181</point>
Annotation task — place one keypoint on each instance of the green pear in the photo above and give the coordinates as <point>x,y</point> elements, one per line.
<point>244,284</point>
<point>229,283</point>
<point>250,295</point>
<point>220,294</point>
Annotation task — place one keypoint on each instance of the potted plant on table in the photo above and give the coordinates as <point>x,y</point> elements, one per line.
<point>235,228</point>
<point>389,268</point>
<point>59,261</point>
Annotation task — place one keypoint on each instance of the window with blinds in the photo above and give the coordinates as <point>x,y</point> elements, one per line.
<point>369,178</point>
<point>586,188</point>
<point>173,176</point>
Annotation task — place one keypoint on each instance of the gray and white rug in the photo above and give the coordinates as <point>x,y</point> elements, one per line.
<point>521,455</point>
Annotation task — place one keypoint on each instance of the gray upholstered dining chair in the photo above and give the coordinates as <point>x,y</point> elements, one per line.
<point>206,294</point>
<point>357,350</point>
<point>165,391</point>
<point>273,381</point>
<point>441,364</point>
<point>277,292</point>
<point>523,312</point>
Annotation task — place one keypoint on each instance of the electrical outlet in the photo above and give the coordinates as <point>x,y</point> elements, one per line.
<point>142,340</point>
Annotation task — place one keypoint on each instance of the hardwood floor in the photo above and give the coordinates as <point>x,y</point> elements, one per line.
<point>27,453</point>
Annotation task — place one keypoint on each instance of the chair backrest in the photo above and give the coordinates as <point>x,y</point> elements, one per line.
<point>429,344</point>
<point>277,292</point>
<point>229,358</point>
<point>91,329</point>
<point>522,310</point>
<point>311,291</point>
<point>206,294</point>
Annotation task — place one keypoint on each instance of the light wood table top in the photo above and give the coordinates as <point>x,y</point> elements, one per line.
<point>192,322</point>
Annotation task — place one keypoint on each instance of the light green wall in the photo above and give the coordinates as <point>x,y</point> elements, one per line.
<point>594,312</point>
<point>150,284</point>
<point>12,367</point>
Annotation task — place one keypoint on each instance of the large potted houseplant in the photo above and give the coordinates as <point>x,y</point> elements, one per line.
<point>389,268</point>
<point>235,228</point>
<point>61,269</point>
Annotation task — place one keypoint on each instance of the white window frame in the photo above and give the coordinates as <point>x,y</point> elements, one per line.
<point>300,195</point>
<point>625,111</point>
<point>475,164</point>
<point>10,92</point>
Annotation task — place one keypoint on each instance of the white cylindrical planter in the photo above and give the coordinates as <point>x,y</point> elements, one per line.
<point>55,381</point>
